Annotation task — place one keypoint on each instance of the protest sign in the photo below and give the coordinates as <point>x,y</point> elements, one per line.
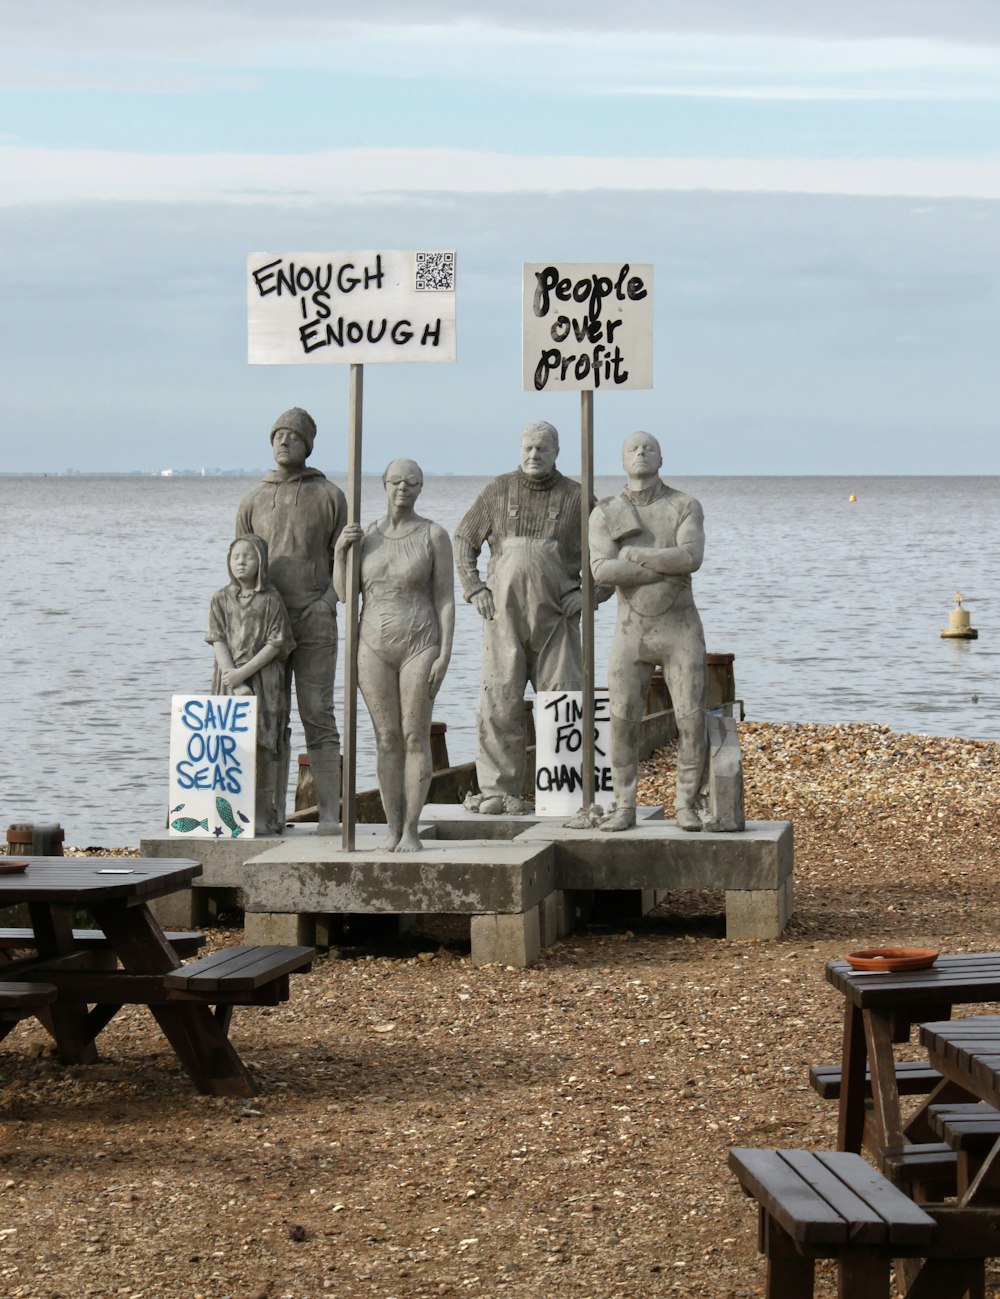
<point>587,326</point>
<point>559,751</point>
<point>350,307</point>
<point>213,762</point>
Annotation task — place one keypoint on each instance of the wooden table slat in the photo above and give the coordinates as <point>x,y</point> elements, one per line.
<point>865,1225</point>
<point>780,1192</point>
<point>907,1220</point>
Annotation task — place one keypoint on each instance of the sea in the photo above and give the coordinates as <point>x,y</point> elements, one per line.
<point>831,592</point>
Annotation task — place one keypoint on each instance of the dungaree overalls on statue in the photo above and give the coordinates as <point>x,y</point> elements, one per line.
<point>529,638</point>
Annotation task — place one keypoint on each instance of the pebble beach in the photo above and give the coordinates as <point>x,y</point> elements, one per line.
<point>426,1128</point>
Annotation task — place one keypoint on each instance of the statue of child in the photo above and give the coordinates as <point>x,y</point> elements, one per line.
<point>249,630</point>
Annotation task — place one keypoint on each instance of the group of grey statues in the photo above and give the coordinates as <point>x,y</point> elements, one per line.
<point>276,621</point>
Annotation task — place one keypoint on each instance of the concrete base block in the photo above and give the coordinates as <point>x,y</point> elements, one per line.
<point>566,912</point>
<point>324,931</point>
<point>556,916</point>
<point>758,913</point>
<point>184,909</point>
<point>279,928</point>
<point>507,939</point>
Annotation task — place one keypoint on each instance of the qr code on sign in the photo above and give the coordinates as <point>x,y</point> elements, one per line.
<point>434,273</point>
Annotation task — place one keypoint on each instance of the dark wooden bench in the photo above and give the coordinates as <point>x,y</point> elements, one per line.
<point>185,942</point>
<point>829,1204</point>
<point>971,1129</point>
<point>238,976</point>
<point>928,1169</point>
<point>970,1125</point>
<point>913,1078</point>
<point>20,1000</point>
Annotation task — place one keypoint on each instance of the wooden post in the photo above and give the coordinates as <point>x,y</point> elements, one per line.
<point>587,592</point>
<point>350,737</point>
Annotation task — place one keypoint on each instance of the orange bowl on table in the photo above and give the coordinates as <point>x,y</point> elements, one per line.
<point>893,959</point>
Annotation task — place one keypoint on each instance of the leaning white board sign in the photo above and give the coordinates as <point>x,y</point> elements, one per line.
<point>355,308</point>
<point>587,326</point>
<point>559,751</point>
<point>213,766</point>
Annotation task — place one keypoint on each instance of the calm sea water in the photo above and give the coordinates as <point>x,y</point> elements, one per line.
<point>832,608</point>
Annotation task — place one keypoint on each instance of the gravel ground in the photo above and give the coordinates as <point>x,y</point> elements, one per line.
<point>426,1128</point>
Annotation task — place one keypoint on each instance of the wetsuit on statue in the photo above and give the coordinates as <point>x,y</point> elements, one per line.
<point>648,541</point>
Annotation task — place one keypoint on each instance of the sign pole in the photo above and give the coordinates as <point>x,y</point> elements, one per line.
<point>350,739</point>
<point>587,592</point>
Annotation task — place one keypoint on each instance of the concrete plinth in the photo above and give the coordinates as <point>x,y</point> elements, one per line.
<point>753,867</point>
<point>457,877</point>
<point>523,880</point>
<point>222,862</point>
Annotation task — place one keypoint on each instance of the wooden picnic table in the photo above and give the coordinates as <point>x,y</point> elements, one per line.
<point>967,1052</point>
<point>90,986</point>
<point>879,1011</point>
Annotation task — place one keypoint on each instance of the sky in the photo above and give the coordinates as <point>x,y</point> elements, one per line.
<point>816,186</point>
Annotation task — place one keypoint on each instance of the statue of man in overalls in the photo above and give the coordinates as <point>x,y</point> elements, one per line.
<point>530,605</point>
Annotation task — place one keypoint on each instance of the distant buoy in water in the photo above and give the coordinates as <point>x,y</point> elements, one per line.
<point>959,623</point>
<point>852,498</point>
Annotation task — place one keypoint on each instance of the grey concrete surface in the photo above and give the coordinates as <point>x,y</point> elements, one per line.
<point>460,877</point>
<point>658,855</point>
<point>523,888</point>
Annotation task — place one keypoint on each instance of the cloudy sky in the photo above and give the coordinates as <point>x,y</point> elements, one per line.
<point>817,187</point>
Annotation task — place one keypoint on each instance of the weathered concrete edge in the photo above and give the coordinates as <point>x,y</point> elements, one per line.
<point>363,885</point>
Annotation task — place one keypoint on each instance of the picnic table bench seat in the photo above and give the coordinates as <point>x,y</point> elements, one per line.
<point>20,1000</point>
<point>913,1078</point>
<point>969,1125</point>
<point>969,1128</point>
<point>185,942</point>
<point>239,976</point>
<point>829,1204</point>
<point>929,1168</point>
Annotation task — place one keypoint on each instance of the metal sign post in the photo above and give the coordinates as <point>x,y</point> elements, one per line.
<point>587,592</point>
<point>587,326</point>
<point>355,406</point>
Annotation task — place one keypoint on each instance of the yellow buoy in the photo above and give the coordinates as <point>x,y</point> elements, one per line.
<point>852,497</point>
<point>959,623</point>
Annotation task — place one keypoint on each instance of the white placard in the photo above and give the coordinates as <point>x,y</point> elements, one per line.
<point>350,308</point>
<point>587,326</point>
<point>213,765</point>
<point>558,751</point>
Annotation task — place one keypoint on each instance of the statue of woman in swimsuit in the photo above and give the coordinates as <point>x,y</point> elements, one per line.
<point>404,641</point>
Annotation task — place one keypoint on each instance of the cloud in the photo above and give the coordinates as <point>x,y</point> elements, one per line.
<point>778,338</point>
<point>573,63</point>
<point>90,175</point>
<point>210,26</point>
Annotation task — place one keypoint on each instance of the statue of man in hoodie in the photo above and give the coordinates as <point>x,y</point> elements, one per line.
<point>300,514</point>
